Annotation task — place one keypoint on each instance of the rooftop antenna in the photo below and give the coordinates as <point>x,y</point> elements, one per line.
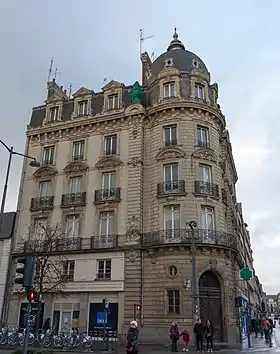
<point>142,39</point>
<point>50,70</point>
<point>70,90</point>
<point>153,56</point>
<point>105,80</point>
<point>56,73</point>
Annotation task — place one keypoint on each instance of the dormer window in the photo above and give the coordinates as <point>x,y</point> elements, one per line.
<point>113,102</point>
<point>169,90</point>
<point>169,62</point>
<point>54,114</point>
<point>199,91</point>
<point>83,108</point>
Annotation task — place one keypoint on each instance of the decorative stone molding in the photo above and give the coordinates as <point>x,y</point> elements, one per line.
<point>134,162</point>
<point>132,255</point>
<point>133,232</point>
<point>168,73</point>
<point>168,153</point>
<point>134,109</point>
<point>75,166</point>
<point>113,88</point>
<point>82,92</point>
<point>108,162</point>
<point>204,154</point>
<point>45,171</point>
<point>201,74</point>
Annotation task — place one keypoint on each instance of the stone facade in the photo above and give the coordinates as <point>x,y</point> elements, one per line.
<point>150,165</point>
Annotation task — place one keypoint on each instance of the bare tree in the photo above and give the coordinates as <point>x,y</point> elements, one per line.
<point>49,245</point>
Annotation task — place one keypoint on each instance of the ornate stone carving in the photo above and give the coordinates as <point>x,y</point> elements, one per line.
<point>213,263</point>
<point>203,74</point>
<point>133,232</point>
<point>132,255</point>
<point>205,154</point>
<point>108,162</point>
<point>44,171</point>
<point>75,166</point>
<point>134,162</point>
<point>170,153</point>
<point>168,72</point>
<point>134,109</point>
<point>82,92</point>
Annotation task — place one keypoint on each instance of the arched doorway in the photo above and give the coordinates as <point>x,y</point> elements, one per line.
<point>210,302</point>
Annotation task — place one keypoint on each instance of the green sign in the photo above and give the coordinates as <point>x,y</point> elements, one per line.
<point>246,273</point>
<point>136,95</point>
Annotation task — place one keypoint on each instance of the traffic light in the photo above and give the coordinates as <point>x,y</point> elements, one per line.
<point>27,270</point>
<point>138,307</point>
<point>33,295</point>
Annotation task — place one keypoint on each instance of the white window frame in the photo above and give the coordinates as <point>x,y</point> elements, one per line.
<point>107,216</point>
<point>207,234</point>
<point>73,219</point>
<point>40,226</point>
<point>80,146</point>
<point>54,113</point>
<point>83,108</point>
<point>44,189</point>
<point>113,101</point>
<point>168,129</point>
<point>75,190</point>
<point>68,270</point>
<point>199,91</point>
<point>112,179</point>
<point>205,173</point>
<point>48,155</point>
<point>169,90</point>
<point>111,138</point>
<point>172,210</point>
<point>172,167</point>
<point>103,271</point>
<point>174,301</point>
<point>199,131</point>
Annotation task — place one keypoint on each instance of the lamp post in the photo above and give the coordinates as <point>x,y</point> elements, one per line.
<point>192,224</point>
<point>33,163</point>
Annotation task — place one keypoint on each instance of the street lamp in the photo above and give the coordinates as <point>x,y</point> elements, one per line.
<point>192,224</point>
<point>33,163</point>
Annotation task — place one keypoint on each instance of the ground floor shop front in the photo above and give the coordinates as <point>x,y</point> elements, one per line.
<point>71,311</point>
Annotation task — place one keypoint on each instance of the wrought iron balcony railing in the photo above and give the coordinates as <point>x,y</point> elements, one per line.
<point>206,188</point>
<point>103,276</point>
<point>224,196</point>
<point>79,157</point>
<point>104,241</point>
<point>73,199</point>
<point>203,144</point>
<point>171,187</point>
<point>172,142</point>
<point>41,203</point>
<point>107,195</point>
<point>184,236</point>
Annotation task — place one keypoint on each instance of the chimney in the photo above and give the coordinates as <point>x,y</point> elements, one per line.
<point>65,91</point>
<point>61,87</point>
<point>53,80</point>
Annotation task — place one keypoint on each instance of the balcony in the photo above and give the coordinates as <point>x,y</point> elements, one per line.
<point>73,199</point>
<point>41,203</point>
<point>224,196</point>
<point>103,276</point>
<point>107,195</point>
<point>203,144</point>
<point>206,188</point>
<point>79,157</point>
<point>165,189</point>
<point>170,142</point>
<point>104,242</point>
<point>184,236</point>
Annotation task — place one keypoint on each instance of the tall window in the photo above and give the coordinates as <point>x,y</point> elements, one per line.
<point>171,177</point>
<point>48,155</point>
<point>40,227</point>
<point>113,102</point>
<point>107,223</point>
<point>169,90</point>
<point>171,221</point>
<point>76,185</point>
<point>203,137</point>
<point>68,269</point>
<point>170,135</point>
<point>207,221</point>
<point>110,145</point>
<point>54,114</point>
<point>78,150</point>
<point>108,185</point>
<point>173,301</point>
<point>199,91</point>
<point>72,228</point>
<point>205,173</point>
<point>44,189</point>
<point>83,108</point>
<point>104,269</point>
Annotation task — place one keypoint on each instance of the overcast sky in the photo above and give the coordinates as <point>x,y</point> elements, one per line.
<point>92,40</point>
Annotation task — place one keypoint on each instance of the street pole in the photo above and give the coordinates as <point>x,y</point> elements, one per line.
<point>26,335</point>
<point>192,225</point>
<point>4,195</point>
<point>248,316</point>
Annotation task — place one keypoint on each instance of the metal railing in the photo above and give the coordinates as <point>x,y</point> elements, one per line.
<point>171,187</point>
<point>206,188</point>
<point>41,203</point>
<point>73,199</point>
<point>107,195</point>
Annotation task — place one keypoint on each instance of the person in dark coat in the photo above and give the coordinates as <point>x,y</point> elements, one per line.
<point>174,336</point>
<point>47,325</point>
<point>209,332</point>
<point>199,332</point>
<point>132,338</point>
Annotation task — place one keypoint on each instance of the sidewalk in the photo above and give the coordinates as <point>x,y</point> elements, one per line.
<point>259,344</point>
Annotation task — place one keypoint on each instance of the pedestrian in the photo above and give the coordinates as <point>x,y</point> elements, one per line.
<point>47,325</point>
<point>209,332</point>
<point>132,338</point>
<point>267,331</point>
<point>262,326</point>
<point>186,340</point>
<point>256,327</point>
<point>174,336</point>
<point>199,332</point>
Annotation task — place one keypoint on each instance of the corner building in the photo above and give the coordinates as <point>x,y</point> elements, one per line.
<point>123,171</point>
